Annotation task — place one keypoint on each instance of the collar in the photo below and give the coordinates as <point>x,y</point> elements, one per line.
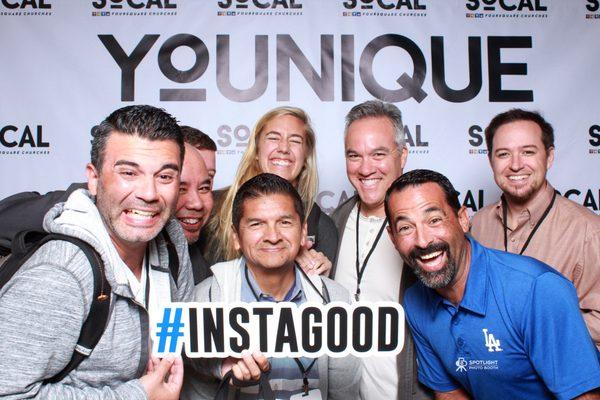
<point>295,294</point>
<point>537,206</point>
<point>475,297</point>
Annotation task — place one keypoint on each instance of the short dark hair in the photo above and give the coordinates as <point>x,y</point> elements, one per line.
<point>263,185</point>
<point>141,120</point>
<point>197,138</point>
<point>418,177</point>
<point>518,114</point>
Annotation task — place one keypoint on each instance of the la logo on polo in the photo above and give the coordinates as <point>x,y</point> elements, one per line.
<point>491,343</point>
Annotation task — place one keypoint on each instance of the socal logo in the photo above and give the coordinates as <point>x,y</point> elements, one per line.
<point>491,343</point>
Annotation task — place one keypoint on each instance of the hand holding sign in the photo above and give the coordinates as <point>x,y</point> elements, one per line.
<point>164,378</point>
<point>248,368</point>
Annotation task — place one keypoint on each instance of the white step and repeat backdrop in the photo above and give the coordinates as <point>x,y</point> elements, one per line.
<point>449,65</point>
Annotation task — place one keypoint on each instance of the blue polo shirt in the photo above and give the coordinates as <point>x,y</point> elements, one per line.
<point>517,333</point>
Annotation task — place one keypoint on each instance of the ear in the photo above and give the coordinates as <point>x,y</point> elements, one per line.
<point>403,157</point>
<point>549,157</point>
<point>463,219</point>
<point>304,234</point>
<point>390,233</point>
<point>92,177</point>
<point>236,239</point>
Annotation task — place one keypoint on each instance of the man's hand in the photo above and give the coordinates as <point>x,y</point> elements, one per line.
<point>164,378</point>
<point>457,394</point>
<point>593,395</point>
<point>248,368</point>
<point>313,262</point>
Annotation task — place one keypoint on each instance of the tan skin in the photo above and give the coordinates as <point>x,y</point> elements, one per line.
<point>195,199</point>
<point>373,161</point>
<point>420,216</point>
<point>520,162</point>
<point>270,235</point>
<point>281,150</point>
<point>210,162</point>
<point>136,193</point>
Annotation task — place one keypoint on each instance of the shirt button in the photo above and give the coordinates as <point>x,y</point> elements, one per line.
<point>460,342</point>
<point>512,240</point>
<point>456,322</point>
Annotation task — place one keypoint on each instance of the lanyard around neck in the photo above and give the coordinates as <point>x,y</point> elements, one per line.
<point>295,266</point>
<point>360,270</point>
<point>535,228</point>
<point>303,371</point>
<point>147,265</point>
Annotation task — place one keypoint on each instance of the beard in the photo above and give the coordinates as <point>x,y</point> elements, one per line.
<point>110,209</point>
<point>434,279</point>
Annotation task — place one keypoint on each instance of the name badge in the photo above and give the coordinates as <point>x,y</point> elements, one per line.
<point>313,394</point>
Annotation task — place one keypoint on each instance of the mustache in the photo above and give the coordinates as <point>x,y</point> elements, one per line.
<point>433,247</point>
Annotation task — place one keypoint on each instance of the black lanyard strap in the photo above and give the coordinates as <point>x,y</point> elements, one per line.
<point>360,270</point>
<point>303,370</point>
<point>535,228</point>
<point>325,301</point>
<point>147,265</point>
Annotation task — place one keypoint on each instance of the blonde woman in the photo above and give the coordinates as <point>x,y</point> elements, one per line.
<point>282,143</point>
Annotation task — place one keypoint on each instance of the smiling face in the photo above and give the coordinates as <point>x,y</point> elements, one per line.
<point>136,188</point>
<point>519,160</point>
<point>270,232</point>
<point>281,147</point>
<point>373,161</point>
<point>195,196</point>
<point>428,234</point>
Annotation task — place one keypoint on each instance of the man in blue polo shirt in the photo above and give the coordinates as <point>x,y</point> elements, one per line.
<point>486,323</point>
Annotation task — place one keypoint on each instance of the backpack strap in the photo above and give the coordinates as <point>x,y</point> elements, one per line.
<point>24,246</point>
<point>24,241</point>
<point>95,324</point>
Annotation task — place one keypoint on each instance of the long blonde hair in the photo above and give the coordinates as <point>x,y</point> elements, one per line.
<point>220,247</point>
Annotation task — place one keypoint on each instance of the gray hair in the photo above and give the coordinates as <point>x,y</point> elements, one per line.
<point>378,108</point>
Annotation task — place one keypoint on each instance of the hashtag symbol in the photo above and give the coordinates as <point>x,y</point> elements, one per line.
<point>169,331</point>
